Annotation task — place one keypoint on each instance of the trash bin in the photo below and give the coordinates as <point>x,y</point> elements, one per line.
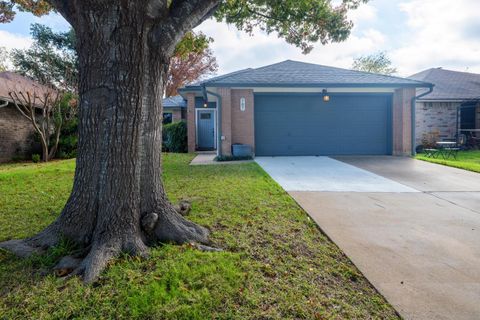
<point>242,150</point>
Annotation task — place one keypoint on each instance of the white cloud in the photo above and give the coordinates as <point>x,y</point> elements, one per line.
<point>14,41</point>
<point>442,33</point>
<point>237,50</point>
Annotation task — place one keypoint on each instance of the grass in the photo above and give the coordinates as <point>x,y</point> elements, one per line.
<point>467,160</point>
<point>276,263</point>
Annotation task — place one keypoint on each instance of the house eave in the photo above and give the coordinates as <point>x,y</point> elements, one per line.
<point>316,85</point>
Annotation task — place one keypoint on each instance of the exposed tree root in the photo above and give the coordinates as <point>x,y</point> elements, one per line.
<point>20,248</point>
<point>166,227</point>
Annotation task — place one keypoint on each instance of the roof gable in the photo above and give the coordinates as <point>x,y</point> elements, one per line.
<point>298,74</point>
<point>174,102</point>
<point>450,85</point>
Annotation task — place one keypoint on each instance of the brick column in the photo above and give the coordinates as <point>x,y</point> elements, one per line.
<point>242,121</point>
<point>226,146</point>
<point>402,121</point>
<point>191,129</point>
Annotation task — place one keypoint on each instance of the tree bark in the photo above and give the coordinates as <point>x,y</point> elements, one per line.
<point>118,202</point>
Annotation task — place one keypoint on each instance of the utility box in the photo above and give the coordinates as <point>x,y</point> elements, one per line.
<point>242,150</point>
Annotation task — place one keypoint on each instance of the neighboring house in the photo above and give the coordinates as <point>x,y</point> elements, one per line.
<point>452,106</point>
<point>296,108</point>
<point>174,109</point>
<point>15,130</point>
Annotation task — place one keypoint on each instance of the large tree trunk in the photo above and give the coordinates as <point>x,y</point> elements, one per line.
<point>118,203</point>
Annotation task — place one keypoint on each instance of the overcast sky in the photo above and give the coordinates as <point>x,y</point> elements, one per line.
<point>417,35</point>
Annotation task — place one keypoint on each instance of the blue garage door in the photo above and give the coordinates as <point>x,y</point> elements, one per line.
<point>305,125</point>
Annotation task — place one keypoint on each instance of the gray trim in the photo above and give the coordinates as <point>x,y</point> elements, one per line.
<point>318,85</point>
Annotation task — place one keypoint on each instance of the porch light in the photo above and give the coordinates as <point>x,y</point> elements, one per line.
<point>205,105</point>
<point>326,97</point>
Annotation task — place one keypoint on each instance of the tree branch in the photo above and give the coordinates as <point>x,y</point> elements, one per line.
<point>66,8</point>
<point>184,15</point>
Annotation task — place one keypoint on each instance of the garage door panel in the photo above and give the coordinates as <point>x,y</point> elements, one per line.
<point>306,125</point>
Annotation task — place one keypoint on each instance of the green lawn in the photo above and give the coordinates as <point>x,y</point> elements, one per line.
<point>468,160</point>
<point>276,264</point>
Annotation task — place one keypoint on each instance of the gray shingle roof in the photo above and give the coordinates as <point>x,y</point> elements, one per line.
<point>297,74</point>
<point>450,85</point>
<point>174,102</point>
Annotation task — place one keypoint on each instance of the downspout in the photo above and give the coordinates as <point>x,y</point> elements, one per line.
<point>413,110</point>
<point>219,116</point>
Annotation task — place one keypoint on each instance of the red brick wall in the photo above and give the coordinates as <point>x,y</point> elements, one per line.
<point>402,121</point>
<point>243,130</point>
<point>191,130</point>
<point>226,94</point>
<point>15,133</point>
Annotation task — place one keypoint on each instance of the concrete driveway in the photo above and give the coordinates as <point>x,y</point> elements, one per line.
<point>411,227</point>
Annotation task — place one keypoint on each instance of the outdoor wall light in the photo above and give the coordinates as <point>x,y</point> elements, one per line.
<point>242,104</point>
<point>326,97</point>
<point>205,105</point>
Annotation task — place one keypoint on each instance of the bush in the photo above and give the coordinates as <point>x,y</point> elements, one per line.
<point>35,158</point>
<point>175,137</point>
<point>232,158</point>
<point>67,145</point>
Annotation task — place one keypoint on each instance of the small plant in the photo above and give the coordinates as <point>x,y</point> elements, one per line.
<point>232,158</point>
<point>35,158</point>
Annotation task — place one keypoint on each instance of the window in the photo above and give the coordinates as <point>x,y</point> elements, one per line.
<point>167,117</point>
<point>205,116</point>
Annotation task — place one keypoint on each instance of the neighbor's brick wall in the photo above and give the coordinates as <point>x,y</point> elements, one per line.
<point>242,121</point>
<point>436,116</point>
<point>176,115</point>
<point>15,134</point>
<point>191,122</point>
<point>402,121</point>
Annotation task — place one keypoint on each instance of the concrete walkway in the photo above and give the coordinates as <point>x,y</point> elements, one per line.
<point>421,250</point>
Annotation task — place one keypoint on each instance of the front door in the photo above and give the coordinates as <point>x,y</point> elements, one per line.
<point>206,129</point>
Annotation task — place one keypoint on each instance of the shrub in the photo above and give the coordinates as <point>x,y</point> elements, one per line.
<point>231,158</point>
<point>36,158</point>
<point>175,137</point>
<point>67,145</point>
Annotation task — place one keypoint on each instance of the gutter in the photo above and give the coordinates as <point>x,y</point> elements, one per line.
<point>413,111</point>
<point>219,117</point>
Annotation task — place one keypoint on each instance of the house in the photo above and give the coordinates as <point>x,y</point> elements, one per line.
<point>302,109</point>
<point>452,106</point>
<point>16,131</point>
<point>174,109</point>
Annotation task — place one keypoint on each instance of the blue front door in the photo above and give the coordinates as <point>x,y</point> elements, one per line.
<point>206,129</point>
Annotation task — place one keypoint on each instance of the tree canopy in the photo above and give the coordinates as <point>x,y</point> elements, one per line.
<point>3,59</point>
<point>300,22</point>
<point>193,59</point>
<point>375,63</point>
<point>51,60</point>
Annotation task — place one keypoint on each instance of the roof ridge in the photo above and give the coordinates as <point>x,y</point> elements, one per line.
<point>225,75</point>
<point>343,69</point>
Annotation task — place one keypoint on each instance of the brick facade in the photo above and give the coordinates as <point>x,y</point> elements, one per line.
<point>402,121</point>
<point>15,134</point>
<point>191,130</point>
<point>436,116</point>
